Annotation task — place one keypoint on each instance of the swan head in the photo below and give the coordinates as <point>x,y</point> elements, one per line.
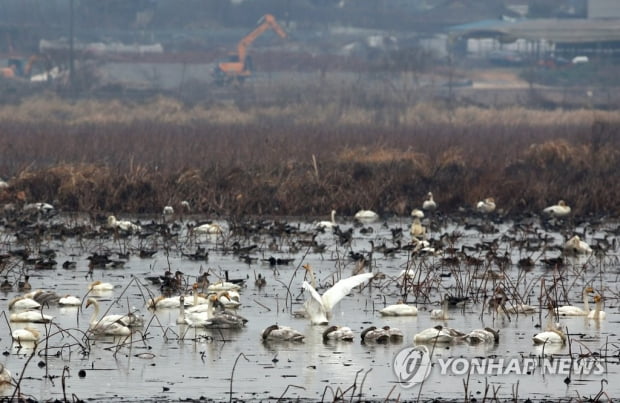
<point>598,298</point>
<point>111,220</point>
<point>91,301</point>
<point>268,330</point>
<point>327,331</point>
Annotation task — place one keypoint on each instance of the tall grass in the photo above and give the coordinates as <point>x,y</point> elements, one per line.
<point>233,159</point>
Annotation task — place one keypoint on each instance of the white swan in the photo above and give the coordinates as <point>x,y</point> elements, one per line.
<point>366,216</point>
<point>281,333</point>
<point>481,336</point>
<point>435,334</point>
<point>123,225</point>
<point>572,310</point>
<point>30,316</point>
<point>319,307</point>
<point>486,206</point>
<point>342,333</point>
<point>558,210</point>
<point>394,334</point>
<point>100,286</point>
<point>223,286</point>
<point>212,229</point>
<point>374,335</point>
<point>69,300</point>
<point>26,334</point>
<point>23,303</point>
<point>553,334</point>
<point>429,203</point>
<point>192,319</point>
<point>576,246</point>
<point>327,224</point>
<point>417,230</point>
<point>399,309</point>
<point>441,314</point>
<point>597,313</point>
<point>168,210</point>
<point>111,325</point>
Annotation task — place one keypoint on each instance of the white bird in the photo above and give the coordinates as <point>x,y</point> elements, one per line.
<point>223,286</point>
<point>327,225</point>
<point>23,303</point>
<point>435,334</point>
<point>366,216</point>
<point>123,225</point>
<point>558,210</point>
<point>38,207</point>
<point>429,203</point>
<point>281,333</point>
<point>109,325</point>
<point>486,206</point>
<point>26,334</point>
<point>550,336</point>
<point>30,316</point>
<point>5,376</point>
<point>100,286</point>
<point>394,334</point>
<point>319,307</point>
<point>374,335</point>
<point>441,314</point>
<point>572,310</point>
<point>168,210</point>
<point>577,247</point>
<point>69,300</point>
<point>192,319</point>
<point>482,336</point>
<point>211,229</point>
<point>342,333</point>
<point>597,313</point>
<point>417,213</point>
<point>417,230</point>
<point>399,309</point>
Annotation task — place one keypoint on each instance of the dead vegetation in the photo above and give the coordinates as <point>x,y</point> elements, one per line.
<point>304,158</point>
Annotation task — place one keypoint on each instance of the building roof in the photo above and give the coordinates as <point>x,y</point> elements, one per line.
<point>554,30</point>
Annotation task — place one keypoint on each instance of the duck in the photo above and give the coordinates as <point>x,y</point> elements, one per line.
<point>22,303</point>
<point>26,334</point>
<point>327,225</point>
<point>109,325</point>
<point>30,316</point>
<point>429,203</point>
<point>260,281</point>
<point>366,216</point>
<point>417,230</point>
<point>399,309</point>
<point>208,228</point>
<point>486,206</point>
<point>482,336</point>
<point>24,285</point>
<point>576,246</point>
<point>100,286</point>
<point>441,314</point>
<point>342,333</point>
<point>558,210</point>
<point>123,225</point>
<point>6,285</point>
<point>597,313</point>
<point>281,333</point>
<point>572,310</point>
<point>69,300</point>
<point>374,335</point>
<point>319,307</point>
<point>435,334</point>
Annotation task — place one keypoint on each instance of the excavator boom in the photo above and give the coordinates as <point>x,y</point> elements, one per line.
<point>237,69</point>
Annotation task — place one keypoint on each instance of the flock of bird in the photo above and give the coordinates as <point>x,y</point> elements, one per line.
<point>216,305</point>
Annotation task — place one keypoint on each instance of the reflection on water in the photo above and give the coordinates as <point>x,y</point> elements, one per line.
<point>163,360</point>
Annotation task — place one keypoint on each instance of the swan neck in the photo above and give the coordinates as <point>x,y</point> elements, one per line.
<point>95,314</point>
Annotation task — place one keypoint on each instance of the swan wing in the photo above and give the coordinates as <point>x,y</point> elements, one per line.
<point>343,287</point>
<point>314,305</point>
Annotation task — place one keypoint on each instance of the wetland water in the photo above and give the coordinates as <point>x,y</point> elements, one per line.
<point>166,361</point>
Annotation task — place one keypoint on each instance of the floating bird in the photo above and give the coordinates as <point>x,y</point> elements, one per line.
<point>374,335</point>
<point>394,334</point>
<point>429,203</point>
<point>558,210</point>
<point>109,325</point>
<point>441,314</point>
<point>211,229</point>
<point>576,246</point>
<point>70,300</point>
<point>26,334</point>
<point>319,307</point>
<point>553,335</point>
<point>399,309</point>
<point>482,336</point>
<point>435,334</point>
<point>260,281</point>
<point>23,303</point>
<point>342,333</point>
<point>100,286</point>
<point>24,285</point>
<point>327,225</point>
<point>597,313</point>
<point>123,225</point>
<point>192,319</point>
<point>366,216</point>
<point>281,333</point>
<point>572,310</point>
<point>30,316</point>
<point>486,206</point>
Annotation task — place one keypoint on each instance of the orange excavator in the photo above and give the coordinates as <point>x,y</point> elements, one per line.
<point>17,68</point>
<point>239,65</point>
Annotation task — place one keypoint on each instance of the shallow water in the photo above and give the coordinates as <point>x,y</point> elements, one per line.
<point>169,362</point>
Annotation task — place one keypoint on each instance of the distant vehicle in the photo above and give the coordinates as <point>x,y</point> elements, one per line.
<point>580,59</point>
<point>239,65</point>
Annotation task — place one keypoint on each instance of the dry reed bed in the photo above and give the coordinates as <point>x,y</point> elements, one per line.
<point>120,156</point>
